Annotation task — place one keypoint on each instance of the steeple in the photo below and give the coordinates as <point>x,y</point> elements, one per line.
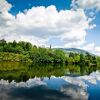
<point>50,46</point>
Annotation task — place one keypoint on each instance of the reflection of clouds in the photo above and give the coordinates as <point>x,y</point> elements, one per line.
<point>92,78</point>
<point>41,92</point>
<point>21,90</point>
<point>81,80</point>
<point>96,75</point>
<point>29,83</point>
<point>73,88</point>
<point>75,92</point>
<point>74,80</point>
<point>37,89</point>
<point>33,89</point>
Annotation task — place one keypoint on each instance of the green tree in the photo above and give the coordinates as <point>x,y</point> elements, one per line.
<point>23,45</point>
<point>14,44</point>
<point>59,56</point>
<point>82,59</point>
<point>28,46</point>
<point>2,42</point>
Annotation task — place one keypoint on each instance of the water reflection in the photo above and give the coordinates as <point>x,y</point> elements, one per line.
<point>75,92</point>
<point>37,89</point>
<point>53,88</point>
<point>21,81</point>
<point>23,71</point>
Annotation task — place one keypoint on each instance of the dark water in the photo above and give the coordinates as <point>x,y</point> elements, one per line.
<point>23,81</point>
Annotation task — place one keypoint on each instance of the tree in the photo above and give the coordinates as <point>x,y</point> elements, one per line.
<point>2,42</point>
<point>71,60</point>
<point>23,45</point>
<point>71,54</point>
<point>14,44</point>
<point>28,46</point>
<point>59,56</point>
<point>82,59</point>
<point>77,58</point>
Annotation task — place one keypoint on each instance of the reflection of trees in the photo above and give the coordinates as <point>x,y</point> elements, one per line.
<point>23,71</point>
<point>80,69</point>
<point>83,69</point>
<point>73,70</point>
<point>86,70</point>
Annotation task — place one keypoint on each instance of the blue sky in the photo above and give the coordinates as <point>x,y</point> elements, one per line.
<point>94,34</point>
<point>20,5</point>
<point>61,23</point>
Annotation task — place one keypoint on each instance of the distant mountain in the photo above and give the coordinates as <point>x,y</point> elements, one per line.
<point>74,50</point>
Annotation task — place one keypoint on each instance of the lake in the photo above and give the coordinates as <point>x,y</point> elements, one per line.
<point>24,81</point>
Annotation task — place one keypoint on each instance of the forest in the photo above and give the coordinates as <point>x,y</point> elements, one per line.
<point>26,52</point>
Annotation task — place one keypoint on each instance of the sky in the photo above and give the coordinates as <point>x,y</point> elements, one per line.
<point>61,23</point>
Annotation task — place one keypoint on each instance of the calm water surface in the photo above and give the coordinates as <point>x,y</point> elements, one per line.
<point>23,81</point>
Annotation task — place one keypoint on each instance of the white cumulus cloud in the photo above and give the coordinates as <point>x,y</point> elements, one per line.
<point>45,23</point>
<point>4,6</point>
<point>87,4</point>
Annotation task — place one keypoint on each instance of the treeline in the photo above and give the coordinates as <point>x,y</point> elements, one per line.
<point>83,59</point>
<point>14,47</point>
<point>25,51</point>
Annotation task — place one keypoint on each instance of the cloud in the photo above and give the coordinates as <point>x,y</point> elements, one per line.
<point>97,49</point>
<point>4,6</point>
<point>86,4</point>
<point>49,22</point>
<point>90,7</point>
<point>44,23</point>
<point>34,40</point>
<point>91,47</point>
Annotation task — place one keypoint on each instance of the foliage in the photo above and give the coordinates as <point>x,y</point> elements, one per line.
<point>25,51</point>
<point>98,61</point>
<point>23,71</point>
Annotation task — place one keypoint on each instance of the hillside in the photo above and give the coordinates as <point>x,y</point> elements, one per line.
<point>74,50</point>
